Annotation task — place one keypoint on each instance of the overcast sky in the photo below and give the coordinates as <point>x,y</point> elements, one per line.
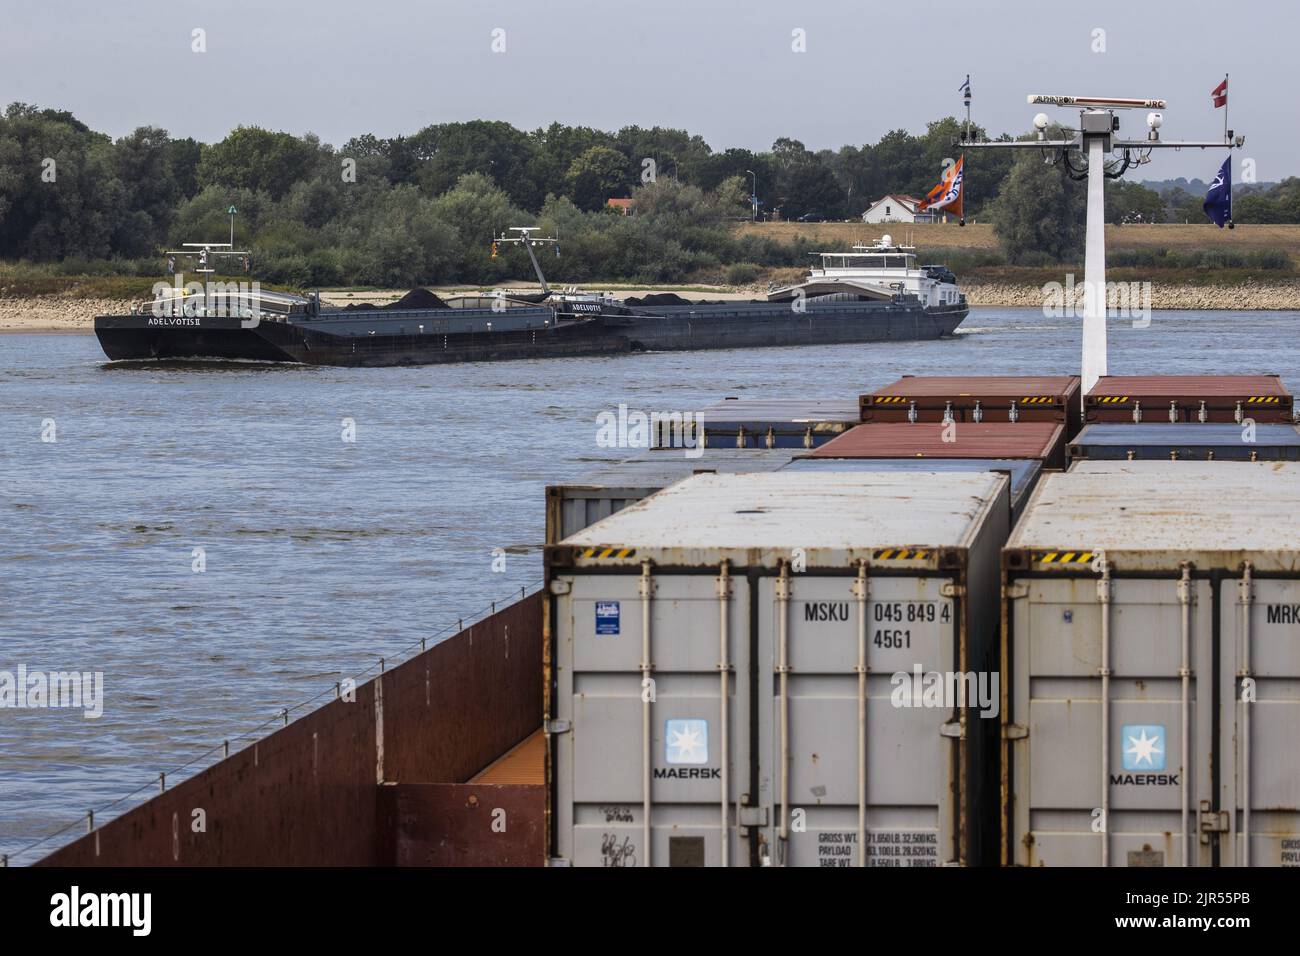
<point>721,68</point>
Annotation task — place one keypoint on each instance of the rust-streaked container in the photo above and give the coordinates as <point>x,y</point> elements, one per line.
<point>1189,398</point>
<point>1044,441</point>
<point>976,398</point>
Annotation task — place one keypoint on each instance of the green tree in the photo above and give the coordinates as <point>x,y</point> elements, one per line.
<point>1132,202</point>
<point>597,175</point>
<point>1039,213</point>
<point>254,158</point>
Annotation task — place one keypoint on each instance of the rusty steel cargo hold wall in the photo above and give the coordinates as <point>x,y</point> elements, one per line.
<point>309,794</point>
<point>1189,398</point>
<point>1151,667</point>
<point>765,614</point>
<point>974,398</point>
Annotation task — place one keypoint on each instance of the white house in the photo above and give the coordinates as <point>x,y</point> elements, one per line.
<point>896,208</point>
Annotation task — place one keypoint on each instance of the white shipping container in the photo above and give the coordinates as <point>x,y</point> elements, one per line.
<point>1151,656</point>
<point>749,669</point>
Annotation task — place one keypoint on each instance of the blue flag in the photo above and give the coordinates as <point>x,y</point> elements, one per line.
<point>1218,201</point>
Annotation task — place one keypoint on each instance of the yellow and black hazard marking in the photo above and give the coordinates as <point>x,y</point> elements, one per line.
<point>1263,400</point>
<point>889,399</point>
<point>604,552</point>
<point>900,554</point>
<point>1038,400</point>
<point>1110,399</point>
<point>1064,557</point>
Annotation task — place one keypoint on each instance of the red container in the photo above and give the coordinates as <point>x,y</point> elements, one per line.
<point>928,398</point>
<point>1189,398</point>
<point>1042,440</point>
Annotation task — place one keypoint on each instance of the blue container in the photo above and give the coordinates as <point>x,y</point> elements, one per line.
<point>1196,441</point>
<point>770,423</point>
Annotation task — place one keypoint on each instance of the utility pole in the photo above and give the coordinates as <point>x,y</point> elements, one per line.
<point>753,196</point>
<point>1096,139</point>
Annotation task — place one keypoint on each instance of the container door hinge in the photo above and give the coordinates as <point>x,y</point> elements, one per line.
<point>558,861</point>
<point>1015,732</point>
<point>1015,592</point>
<point>753,816</point>
<point>951,729</point>
<point>559,726</point>
<point>1212,821</point>
<point>948,589</point>
<point>561,587</point>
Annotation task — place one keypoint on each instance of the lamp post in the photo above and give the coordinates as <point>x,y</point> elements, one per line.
<point>753,197</point>
<point>232,210</point>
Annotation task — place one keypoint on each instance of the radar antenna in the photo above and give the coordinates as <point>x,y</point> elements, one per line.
<point>1095,139</point>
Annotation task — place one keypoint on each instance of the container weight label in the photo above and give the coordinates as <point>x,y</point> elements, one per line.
<point>893,848</point>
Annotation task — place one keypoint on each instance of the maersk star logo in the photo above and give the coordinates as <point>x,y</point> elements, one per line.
<point>1144,746</point>
<point>686,741</point>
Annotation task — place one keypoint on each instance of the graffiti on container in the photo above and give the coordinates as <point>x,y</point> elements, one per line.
<point>614,853</point>
<point>617,814</point>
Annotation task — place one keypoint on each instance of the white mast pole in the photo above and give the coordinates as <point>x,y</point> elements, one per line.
<point>1094,270</point>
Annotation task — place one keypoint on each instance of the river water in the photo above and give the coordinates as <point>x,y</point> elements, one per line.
<point>320,555</point>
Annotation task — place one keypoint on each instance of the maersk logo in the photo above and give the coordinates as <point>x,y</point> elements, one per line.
<point>686,741</point>
<point>1144,746</point>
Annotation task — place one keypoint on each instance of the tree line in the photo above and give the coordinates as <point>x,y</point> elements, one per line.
<point>423,208</point>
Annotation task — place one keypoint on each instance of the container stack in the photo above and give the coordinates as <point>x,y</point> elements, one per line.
<point>742,644</point>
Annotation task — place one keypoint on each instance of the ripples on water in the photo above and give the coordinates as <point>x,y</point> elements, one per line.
<point>323,556</point>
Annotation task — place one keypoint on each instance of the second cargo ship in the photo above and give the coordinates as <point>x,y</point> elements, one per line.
<point>867,294</point>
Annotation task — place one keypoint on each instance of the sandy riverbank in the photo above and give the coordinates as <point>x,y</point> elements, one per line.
<point>73,314</point>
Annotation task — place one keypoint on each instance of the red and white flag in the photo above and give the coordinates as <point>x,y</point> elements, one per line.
<point>1220,94</point>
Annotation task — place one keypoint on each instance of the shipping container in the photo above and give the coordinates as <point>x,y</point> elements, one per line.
<point>1220,441</point>
<point>764,423</point>
<point>1044,441</point>
<point>1161,399</point>
<point>748,670</point>
<point>1151,661</point>
<point>617,484</point>
<point>976,398</point>
<point>1023,472</point>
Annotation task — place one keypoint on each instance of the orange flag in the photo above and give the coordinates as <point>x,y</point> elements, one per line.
<point>948,194</point>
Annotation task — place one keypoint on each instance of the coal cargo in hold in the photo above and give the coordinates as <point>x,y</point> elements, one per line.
<point>1151,657</point>
<point>741,670</point>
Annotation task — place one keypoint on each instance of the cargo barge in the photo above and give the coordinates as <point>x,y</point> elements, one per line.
<point>1119,601</point>
<point>873,294</point>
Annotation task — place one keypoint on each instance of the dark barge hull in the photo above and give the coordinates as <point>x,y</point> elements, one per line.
<point>751,325</point>
<point>132,338</point>
<point>428,337</point>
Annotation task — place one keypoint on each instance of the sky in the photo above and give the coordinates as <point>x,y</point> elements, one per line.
<point>724,69</point>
